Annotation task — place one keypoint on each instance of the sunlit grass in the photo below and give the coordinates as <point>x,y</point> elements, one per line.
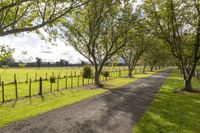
<point>123,81</point>
<point>172,112</point>
<point>23,88</point>
<point>25,108</point>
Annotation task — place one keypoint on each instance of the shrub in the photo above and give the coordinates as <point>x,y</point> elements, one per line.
<point>22,65</point>
<point>87,72</point>
<point>105,73</point>
<point>52,79</point>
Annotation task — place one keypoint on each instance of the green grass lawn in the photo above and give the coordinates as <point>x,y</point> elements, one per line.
<point>123,81</point>
<point>23,88</point>
<point>7,75</point>
<point>26,108</point>
<point>171,112</point>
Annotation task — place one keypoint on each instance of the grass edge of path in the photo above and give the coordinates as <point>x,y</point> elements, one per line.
<point>170,111</point>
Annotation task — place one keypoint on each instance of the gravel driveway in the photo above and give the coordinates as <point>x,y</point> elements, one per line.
<point>114,112</point>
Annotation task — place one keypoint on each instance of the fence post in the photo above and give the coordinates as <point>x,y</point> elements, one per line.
<point>27,78</point>
<point>3,99</point>
<point>78,81</point>
<point>58,82</point>
<point>30,88</point>
<point>120,73</point>
<point>46,77</point>
<point>66,80</point>
<point>83,80</point>
<point>40,89</point>
<point>35,76</point>
<point>71,80</point>
<point>16,92</point>
<point>14,77</point>
<point>51,87</point>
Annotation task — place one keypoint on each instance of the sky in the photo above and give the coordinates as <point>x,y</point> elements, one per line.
<point>35,47</point>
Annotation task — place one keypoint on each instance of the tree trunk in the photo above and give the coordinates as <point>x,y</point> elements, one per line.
<point>151,68</point>
<point>187,75</point>
<point>144,69</point>
<point>130,73</point>
<point>188,84</point>
<point>96,77</point>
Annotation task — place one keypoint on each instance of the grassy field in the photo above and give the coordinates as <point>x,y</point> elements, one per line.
<point>172,112</point>
<point>7,75</point>
<point>25,108</point>
<point>23,88</point>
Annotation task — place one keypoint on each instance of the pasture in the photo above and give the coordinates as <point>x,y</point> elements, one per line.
<point>66,78</point>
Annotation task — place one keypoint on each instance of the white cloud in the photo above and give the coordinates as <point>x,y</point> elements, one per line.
<point>35,47</point>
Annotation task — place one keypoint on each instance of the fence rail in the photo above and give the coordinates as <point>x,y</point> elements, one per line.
<point>33,87</point>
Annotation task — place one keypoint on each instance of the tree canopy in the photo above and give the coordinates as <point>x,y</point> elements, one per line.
<point>18,16</point>
<point>178,24</point>
<point>99,30</point>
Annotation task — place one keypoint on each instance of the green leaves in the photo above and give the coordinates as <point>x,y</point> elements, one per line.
<point>5,52</point>
<point>28,15</point>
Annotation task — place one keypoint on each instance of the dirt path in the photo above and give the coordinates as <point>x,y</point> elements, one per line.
<point>114,112</point>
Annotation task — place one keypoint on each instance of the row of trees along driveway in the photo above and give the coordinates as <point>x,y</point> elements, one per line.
<point>101,30</point>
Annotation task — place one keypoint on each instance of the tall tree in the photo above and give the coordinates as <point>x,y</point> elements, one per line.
<point>38,61</point>
<point>99,31</point>
<point>27,15</point>
<point>157,54</point>
<point>177,22</point>
<point>137,43</point>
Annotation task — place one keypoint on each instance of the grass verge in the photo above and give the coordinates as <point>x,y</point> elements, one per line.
<point>116,83</point>
<point>171,112</point>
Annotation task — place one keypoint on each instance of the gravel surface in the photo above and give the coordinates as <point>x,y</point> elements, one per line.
<point>114,112</point>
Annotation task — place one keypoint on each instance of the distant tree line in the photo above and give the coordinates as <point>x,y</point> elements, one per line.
<point>39,63</point>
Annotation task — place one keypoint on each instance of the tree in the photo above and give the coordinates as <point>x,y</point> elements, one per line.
<point>136,45</point>
<point>62,62</point>
<point>27,15</point>
<point>38,61</point>
<point>156,55</point>
<point>5,53</point>
<point>22,65</point>
<point>178,24</point>
<point>48,64</point>
<point>99,31</point>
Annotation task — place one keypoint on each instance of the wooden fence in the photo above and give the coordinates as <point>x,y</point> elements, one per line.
<point>71,80</point>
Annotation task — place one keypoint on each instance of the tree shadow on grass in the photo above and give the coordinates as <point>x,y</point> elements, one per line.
<point>14,103</point>
<point>61,92</point>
